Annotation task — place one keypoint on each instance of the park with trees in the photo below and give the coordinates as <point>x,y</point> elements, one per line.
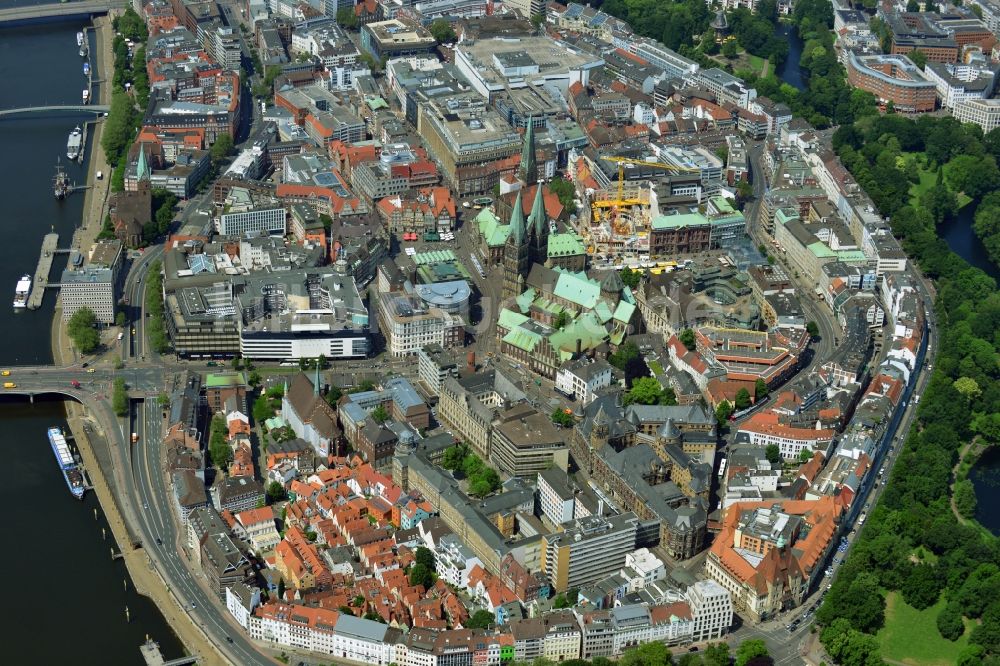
<point>921,583</point>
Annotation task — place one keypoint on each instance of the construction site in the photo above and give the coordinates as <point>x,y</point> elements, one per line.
<point>615,221</point>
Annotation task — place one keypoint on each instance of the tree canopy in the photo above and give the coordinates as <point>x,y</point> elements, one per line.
<point>647,391</point>
<point>442,31</point>
<point>959,403</point>
<point>82,330</point>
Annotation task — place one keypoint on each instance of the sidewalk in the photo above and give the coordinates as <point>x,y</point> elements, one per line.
<point>146,580</point>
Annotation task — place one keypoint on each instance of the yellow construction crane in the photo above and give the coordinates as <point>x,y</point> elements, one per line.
<point>622,161</point>
<point>620,201</point>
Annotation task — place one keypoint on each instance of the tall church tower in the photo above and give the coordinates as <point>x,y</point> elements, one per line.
<point>528,172</point>
<point>516,253</point>
<point>539,228</point>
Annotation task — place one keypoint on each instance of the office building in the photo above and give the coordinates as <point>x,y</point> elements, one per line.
<point>892,78</point>
<point>588,549</point>
<point>526,442</point>
<point>396,38</point>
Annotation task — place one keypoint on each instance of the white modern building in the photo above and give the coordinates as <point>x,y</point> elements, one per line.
<point>983,112</point>
<point>409,324</point>
<point>554,496</point>
<point>649,567</point>
<point>453,561</point>
<point>89,287</point>
<point>581,379</point>
<point>958,82</point>
<point>712,609</point>
<point>266,220</point>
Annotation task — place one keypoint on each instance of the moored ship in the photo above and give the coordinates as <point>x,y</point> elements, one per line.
<point>60,183</point>
<point>74,143</point>
<point>79,39</point>
<point>21,291</point>
<point>67,464</point>
<point>86,69</point>
<point>86,96</point>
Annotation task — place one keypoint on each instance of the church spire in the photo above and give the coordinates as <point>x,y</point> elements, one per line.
<point>538,216</point>
<point>529,170</point>
<point>142,167</point>
<point>517,221</point>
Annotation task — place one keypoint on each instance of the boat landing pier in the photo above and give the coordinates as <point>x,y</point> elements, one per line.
<point>50,248</point>
<point>151,653</point>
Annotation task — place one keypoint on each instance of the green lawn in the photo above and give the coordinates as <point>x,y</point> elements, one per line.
<point>655,367</point>
<point>756,62</point>
<point>927,180</point>
<point>911,636</point>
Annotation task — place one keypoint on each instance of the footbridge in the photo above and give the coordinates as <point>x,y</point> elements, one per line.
<point>55,108</point>
<point>57,11</point>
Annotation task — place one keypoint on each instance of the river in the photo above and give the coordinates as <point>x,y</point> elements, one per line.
<point>790,72</point>
<point>985,474</point>
<point>69,596</point>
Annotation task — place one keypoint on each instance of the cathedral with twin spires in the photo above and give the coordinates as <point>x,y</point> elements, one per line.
<point>528,241</point>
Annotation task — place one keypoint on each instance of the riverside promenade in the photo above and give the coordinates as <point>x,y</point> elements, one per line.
<point>94,450</point>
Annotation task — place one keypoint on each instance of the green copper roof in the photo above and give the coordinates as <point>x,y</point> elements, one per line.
<point>142,168</point>
<point>434,257</point>
<point>491,229</point>
<point>820,249</point>
<point>578,289</point>
<point>565,245</point>
<point>538,216</point>
<point>529,170</point>
<point>517,221</point>
<point>509,319</point>
<point>524,300</point>
<point>783,215</point>
<point>852,256</point>
<point>678,221</point>
<point>219,381</point>
<point>624,311</point>
<point>722,205</point>
<point>522,338</point>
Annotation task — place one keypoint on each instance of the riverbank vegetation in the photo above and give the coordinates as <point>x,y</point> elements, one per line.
<point>129,93</point>
<point>960,583</point>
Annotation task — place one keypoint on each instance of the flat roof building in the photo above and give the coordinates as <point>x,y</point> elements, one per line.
<point>588,549</point>
<point>395,38</point>
<point>892,78</point>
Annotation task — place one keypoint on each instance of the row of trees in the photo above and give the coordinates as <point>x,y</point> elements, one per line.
<point>913,543</point>
<point>749,653</point>
<point>155,329</point>
<point>124,117</point>
<point>119,397</point>
<point>218,448</point>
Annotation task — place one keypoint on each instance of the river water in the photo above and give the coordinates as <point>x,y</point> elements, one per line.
<point>985,474</point>
<point>789,71</point>
<point>68,596</point>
